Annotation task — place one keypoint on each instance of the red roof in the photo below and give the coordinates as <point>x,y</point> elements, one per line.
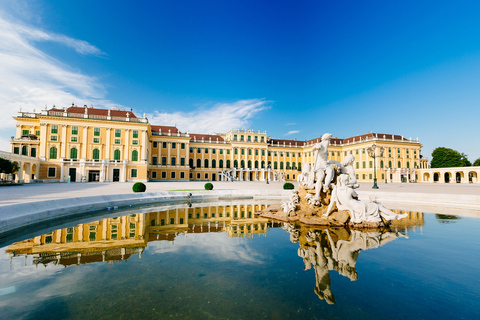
<point>102,112</point>
<point>165,129</point>
<point>205,137</point>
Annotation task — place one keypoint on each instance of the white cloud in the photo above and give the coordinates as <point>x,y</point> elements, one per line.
<point>292,132</point>
<point>290,124</point>
<point>220,117</point>
<point>31,79</point>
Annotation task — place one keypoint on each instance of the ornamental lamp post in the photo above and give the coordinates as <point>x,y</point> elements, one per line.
<point>372,154</point>
<point>268,171</point>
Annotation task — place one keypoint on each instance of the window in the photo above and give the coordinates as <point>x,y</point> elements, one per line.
<point>263,152</point>
<point>182,161</point>
<point>172,175</point>
<point>191,150</point>
<point>54,129</point>
<point>24,151</point>
<point>96,154</point>
<point>173,161</point>
<point>242,138</point>
<point>164,161</point>
<point>53,138</point>
<point>364,165</point>
<point>155,144</point>
<point>74,130</point>
<point>116,154</point>
<point>213,150</point>
<point>96,140</point>
<point>370,176</point>
<point>182,146</point>
<point>25,132</point>
<point>164,144</point>
<point>228,151</point>
<point>53,153</point>
<point>52,172</point>
<point>220,164</point>
<point>249,138</point>
<point>381,163</point>
<point>33,152</point>
<point>228,164</point>
<point>154,161</point>
<point>249,152</point>
<point>198,176</point>
<point>358,165</point>
<point>96,132</point>
<point>205,163</point>
<point>134,155</point>
<point>154,174</point>
<point>182,175</point>
<point>370,164</point>
<point>164,175</point>
<point>174,145</point>
<point>74,139</point>
<point>135,134</point>
<point>399,164</point>
<point>236,151</point>
<point>234,137</point>
<point>221,151</point>
<point>288,154</point>
<point>262,139</point>
<point>206,150</point>
<point>118,133</point>
<point>135,142</point>
<point>199,150</point>
<point>133,173</point>
<point>356,151</point>
<point>206,176</point>
<point>199,163</point>
<point>73,153</point>
<point>243,152</point>
<point>117,141</point>
<point>37,133</point>
<point>16,150</point>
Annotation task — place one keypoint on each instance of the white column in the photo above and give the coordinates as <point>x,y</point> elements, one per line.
<point>108,143</point>
<point>84,143</point>
<point>63,142</point>
<point>126,155</point>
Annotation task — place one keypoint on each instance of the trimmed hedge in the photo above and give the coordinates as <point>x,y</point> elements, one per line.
<point>139,187</point>
<point>208,186</point>
<point>288,186</point>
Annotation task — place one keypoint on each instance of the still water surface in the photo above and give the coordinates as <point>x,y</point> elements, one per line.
<point>220,262</point>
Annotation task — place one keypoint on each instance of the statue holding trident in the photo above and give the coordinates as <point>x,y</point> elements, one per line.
<point>321,168</point>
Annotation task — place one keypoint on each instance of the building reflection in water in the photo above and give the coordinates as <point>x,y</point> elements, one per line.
<point>336,249</point>
<point>115,239</point>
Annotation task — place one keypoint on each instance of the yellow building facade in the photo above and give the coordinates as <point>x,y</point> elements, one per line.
<point>97,145</point>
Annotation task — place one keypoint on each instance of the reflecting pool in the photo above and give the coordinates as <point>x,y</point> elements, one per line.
<point>223,262</point>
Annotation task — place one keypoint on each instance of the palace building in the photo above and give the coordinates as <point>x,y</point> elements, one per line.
<point>99,145</point>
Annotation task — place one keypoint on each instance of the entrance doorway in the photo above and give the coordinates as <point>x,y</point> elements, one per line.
<point>214,177</point>
<point>72,172</point>
<point>93,176</point>
<point>116,175</point>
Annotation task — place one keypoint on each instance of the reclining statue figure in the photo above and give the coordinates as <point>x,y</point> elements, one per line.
<point>344,196</point>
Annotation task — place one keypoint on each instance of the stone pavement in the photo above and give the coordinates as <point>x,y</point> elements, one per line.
<point>52,191</point>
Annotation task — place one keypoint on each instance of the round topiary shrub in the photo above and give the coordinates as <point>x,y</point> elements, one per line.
<point>139,187</point>
<point>208,186</point>
<point>288,186</point>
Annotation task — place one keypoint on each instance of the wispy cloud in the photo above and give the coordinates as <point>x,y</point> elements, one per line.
<point>30,78</point>
<point>290,124</point>
<point>220,117</point>
<point>292,132</point>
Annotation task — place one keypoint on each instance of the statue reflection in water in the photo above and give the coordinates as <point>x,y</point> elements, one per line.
<point>335,249</point>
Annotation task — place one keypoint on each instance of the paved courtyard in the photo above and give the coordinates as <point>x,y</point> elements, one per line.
<point>51,191</point>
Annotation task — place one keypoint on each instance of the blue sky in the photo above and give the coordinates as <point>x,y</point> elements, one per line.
<point>294,69</point>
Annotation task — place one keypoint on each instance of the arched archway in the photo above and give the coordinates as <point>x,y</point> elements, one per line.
<point>228,164</point>
<point>199,163</point>
<point>458,177</point>
<point>446,176</point>
<point>426,176</point>
<point>220,163</point>
<point>34,172</point>
<point>436,177</point>
<point>472,177</point>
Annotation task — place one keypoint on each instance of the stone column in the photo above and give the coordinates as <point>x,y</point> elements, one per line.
<point>84,143</point>
<point>108,143</point>
<point>126,153</point>
<point>123,174</point>
<point>62,171</point>
<point>63,142</point>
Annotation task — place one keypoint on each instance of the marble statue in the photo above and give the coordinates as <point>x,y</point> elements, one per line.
<point>345,198</point>
<point>288,207</point>
<point>346,167</point>
<point>307,177</point>
<point>336,250</point>
<point>322,169</point>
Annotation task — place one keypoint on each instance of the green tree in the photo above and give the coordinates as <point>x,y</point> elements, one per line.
<point>7,166</point>
<point>477,162</point>
<point>446,158</point>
